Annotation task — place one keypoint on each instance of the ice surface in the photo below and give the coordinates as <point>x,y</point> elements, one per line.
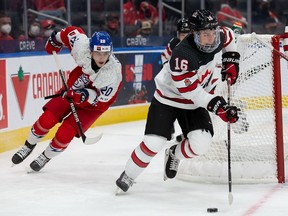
<point>81,181</point>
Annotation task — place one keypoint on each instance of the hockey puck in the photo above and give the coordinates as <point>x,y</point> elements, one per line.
<point>211,210</point>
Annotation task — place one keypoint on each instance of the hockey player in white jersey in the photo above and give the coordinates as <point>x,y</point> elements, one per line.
<point>183,29</point>
<point>185,91</point>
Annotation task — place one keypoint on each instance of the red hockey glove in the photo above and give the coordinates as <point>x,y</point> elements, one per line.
<point>219,106</point>
<point>78,96</point>
<point>52,44</point>
<point>230,66</point>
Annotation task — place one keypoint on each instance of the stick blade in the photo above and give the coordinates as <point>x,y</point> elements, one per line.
<point>93,140</point>
<point>230,198</point>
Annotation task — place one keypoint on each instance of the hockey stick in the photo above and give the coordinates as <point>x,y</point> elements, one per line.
<point>86,140</point>
<point>52,96</point>
<point>230,196</point>
<point>270,46</point>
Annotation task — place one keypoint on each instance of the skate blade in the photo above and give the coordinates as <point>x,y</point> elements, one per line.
<point>30,171</point>
<point>118,191</point>
<point>165,177</point>
<point>165,161</point>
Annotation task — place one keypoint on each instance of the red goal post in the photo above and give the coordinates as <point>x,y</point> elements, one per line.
<point>259,138</point>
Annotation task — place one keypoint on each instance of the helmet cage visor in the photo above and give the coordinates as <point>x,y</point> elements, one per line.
<point>204,47</point>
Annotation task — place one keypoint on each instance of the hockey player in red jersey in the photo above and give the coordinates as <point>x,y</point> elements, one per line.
<point>93,86</point>
<point>185,91</point>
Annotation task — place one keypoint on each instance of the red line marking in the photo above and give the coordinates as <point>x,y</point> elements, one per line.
<point>253,209</point>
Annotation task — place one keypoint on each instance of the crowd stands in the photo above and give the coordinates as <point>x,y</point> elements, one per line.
<point>51,7</point>
<point>137,14</point>
<point>5,27</point>
<point>140,17</point>
<point>112,24</point>
<point>265,19</point>
<point>229,14</point>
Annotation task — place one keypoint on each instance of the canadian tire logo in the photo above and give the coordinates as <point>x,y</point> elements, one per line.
<point>3,96</point>
<point>20,82</point>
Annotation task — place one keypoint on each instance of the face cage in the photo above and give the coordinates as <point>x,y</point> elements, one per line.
<point>207,48</point>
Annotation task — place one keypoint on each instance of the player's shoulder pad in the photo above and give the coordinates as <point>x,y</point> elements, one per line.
<point>184,53</point>
<point>70,34</point>
<point>81,52</point>
<point>173,42</point>
<point>227,36</point>
<point>109,74</point>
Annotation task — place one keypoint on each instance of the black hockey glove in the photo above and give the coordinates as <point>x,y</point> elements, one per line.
<point>230,66</point>
<point>219,106</point>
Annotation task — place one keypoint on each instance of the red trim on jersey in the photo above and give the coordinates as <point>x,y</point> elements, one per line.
<point>146,150</point>
<point>169,51</point>
<point>212,90</point>
<point>184,76</point>
<point>228,37</point>
<point>214,80</point>
<point>137,161</point>
<point>184,101</point>
<point>190,87</point>
<point>68,31</point>
<point>285,35</point>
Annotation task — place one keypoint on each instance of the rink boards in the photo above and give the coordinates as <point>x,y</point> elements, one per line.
<point>26,80</point>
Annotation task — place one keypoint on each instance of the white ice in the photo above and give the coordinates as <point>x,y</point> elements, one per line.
<point>81,181</point>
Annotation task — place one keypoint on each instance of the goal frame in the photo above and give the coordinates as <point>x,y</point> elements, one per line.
<point>278,110</point>
<point>211,166</point>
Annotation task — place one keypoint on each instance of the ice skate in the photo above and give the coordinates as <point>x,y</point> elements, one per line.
<point>171,163</point>
<point>124,182</point>
<point>22,153</point>
<point>39,162</point>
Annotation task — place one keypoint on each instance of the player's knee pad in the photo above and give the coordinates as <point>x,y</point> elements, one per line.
<point>47,120</point>
<point>42,126</point>
<point>200,141</point>
<point>154,143</point>
<point>63,136</point>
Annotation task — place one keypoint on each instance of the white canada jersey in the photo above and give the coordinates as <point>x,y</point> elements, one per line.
<point>166,54</point>
<point>188,81</point>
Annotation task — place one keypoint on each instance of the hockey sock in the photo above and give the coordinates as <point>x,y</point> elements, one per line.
<point>41,127</point>
<point>62,139</point>
<point>183,150</point>
<point>143,154</point>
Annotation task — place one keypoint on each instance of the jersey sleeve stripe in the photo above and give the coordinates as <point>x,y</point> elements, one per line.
<point>189,87</point>
<point>178,100</point>
<point>228,37</point>
<point>183,76</point>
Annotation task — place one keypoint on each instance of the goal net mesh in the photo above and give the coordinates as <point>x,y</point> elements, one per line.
<point>253,137</point>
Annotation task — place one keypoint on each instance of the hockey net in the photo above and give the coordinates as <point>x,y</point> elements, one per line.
<point>259,138</point>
